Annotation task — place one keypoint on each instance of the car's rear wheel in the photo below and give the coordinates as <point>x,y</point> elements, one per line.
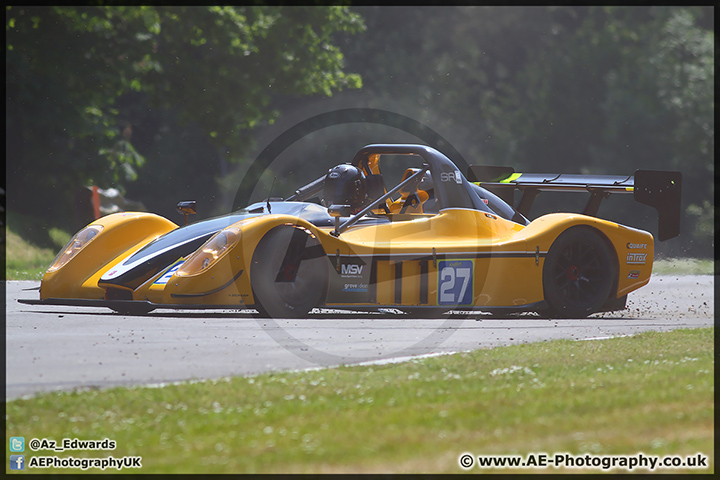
<point>289,273</point>
<point>579,273</point>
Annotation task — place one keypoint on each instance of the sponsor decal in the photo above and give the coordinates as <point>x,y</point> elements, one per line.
<point>636,258</point>
<point>455,282</point>
<point>634,274</point>
<point>352,281</point>
<point>350,270</point>
<point>637,246</point>
<point>169,273</point>
<point>355,287</point>
<point>451,176</point>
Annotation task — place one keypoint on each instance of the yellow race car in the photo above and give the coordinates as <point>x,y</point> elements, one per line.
<point>435,240</point>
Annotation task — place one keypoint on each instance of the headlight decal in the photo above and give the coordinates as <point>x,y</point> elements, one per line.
<point>75,245</point>
<point>211,251</point>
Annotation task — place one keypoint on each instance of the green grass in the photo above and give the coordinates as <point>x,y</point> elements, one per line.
<point>29,251</point>
<point>650,393</point>
<point>25,261</point>
<point>684,266</point>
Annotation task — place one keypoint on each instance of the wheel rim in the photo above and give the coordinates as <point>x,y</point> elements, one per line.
<point>579,273</point>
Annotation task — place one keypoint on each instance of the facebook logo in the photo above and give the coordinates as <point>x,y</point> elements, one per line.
<point>17,462</point>
<point>17,444</point>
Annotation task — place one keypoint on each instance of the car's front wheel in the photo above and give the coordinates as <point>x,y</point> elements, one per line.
<point>289,274</point>
<point>579,273</point>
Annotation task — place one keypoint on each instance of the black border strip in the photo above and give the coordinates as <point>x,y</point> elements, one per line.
<point>373,282</point>
<point>398,283</point>
<point>424,282</point>
<point>442,256</point>
<point>115,304</point>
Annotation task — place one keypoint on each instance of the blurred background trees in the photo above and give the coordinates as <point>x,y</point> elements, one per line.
<point>172,103</point>
<point>157,98</point>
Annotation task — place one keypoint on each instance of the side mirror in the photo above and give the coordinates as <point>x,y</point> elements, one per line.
<point>187,208</point>
<point>338,211</point>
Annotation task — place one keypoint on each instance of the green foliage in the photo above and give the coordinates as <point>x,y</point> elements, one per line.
<point>79,78</point>
<point>59,237</point>
<point>568,89</point>
<point>174,95</point>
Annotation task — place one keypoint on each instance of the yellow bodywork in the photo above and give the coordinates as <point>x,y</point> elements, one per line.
<point>122,235</point>
<point>506,258</point>
<point>508,270</point>
<point>432,240</point>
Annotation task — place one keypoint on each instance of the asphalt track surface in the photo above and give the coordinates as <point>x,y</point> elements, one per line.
<point>65,348</point>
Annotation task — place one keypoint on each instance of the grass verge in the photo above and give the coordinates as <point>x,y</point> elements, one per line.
<point>650,393</point>
<point>684,266</point>
<point>25,261</point>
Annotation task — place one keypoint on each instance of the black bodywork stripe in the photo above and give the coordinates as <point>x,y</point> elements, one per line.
<point>442,256</point>
<point>145,270</point>
<point>373,282</point>
<point>423,282</point>
<point>398,283</point>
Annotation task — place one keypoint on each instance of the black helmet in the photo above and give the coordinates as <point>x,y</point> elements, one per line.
<point>344,185</point>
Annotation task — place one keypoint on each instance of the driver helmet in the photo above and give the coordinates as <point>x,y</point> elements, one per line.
<point>345,185</point>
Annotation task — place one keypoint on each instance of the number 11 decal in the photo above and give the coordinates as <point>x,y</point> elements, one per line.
<point>455,282</point>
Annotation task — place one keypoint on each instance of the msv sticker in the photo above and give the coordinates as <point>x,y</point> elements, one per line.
<point>351,284</point>
<point>351,270</point>
<point>169,273</point>
<point>455,282</point>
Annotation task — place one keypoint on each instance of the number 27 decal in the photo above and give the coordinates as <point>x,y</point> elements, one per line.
<point>455,282</point>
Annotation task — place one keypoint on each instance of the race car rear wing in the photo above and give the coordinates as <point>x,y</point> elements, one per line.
<point>658,189</point>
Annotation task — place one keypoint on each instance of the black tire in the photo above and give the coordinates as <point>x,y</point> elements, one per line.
<point>289,273</point>
<point>579,273</point>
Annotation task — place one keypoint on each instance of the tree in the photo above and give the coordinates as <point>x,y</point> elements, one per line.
<point>624,88</point>
<point>566,89</point>
<point>78,78</point>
